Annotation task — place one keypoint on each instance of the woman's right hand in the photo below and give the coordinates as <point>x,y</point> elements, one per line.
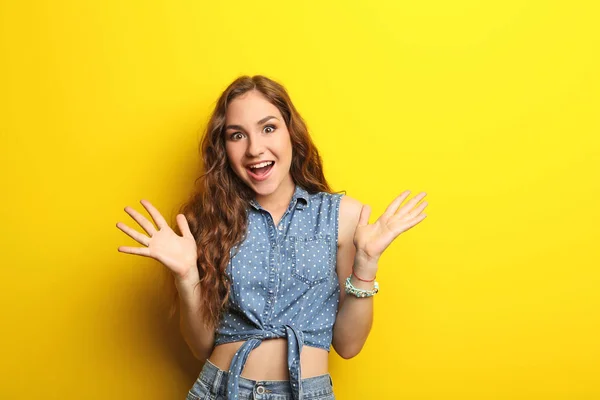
<point>178,253</point>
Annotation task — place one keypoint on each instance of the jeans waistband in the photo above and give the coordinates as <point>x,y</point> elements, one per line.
<point>216,380</point>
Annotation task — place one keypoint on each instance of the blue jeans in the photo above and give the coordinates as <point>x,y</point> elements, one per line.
<point>212,385</point>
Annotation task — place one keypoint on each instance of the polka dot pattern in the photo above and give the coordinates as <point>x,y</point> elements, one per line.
<point>284,282</point>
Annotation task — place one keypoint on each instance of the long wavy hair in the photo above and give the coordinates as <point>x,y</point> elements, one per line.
<point>217,210</point>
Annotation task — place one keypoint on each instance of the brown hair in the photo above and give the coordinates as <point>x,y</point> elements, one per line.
<point>216,211</point>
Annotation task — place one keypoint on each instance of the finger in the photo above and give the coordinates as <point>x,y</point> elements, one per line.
<point>184,227</point>
<point>414,221</point>
<point>400,226</point>
<point>141,220</point>
<point>140,251</point>
<point>156,216</point>
<point>418,210</point>
<point>391,209</point>
<point>140,238</point>
<point>408,207</point>
<point>365,213</point>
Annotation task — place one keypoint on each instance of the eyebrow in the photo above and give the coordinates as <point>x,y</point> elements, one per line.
<point>262,121</point>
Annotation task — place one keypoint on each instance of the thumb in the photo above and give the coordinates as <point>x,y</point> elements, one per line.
<point>365,213</point>
<point>183,225</point>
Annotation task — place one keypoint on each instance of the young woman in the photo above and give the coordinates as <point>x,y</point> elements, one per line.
<point>263,250</point>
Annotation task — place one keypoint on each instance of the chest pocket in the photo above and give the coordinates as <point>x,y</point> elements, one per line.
<point>311,258</point>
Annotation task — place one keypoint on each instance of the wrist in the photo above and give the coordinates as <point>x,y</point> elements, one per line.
<point>357,283</point>
<point>363,279</point>
<point>358,291</point>
<point>187,280</point>
<point>365,269</point>
<point>363,260</point>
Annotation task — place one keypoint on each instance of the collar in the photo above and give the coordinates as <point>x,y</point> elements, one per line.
<point>299,194</point>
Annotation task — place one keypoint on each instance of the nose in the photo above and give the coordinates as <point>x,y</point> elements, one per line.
<point>255,146</point>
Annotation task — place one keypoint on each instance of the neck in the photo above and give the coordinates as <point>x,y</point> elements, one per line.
<point>280,198</point>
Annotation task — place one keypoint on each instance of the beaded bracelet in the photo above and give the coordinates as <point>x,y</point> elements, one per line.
<point>350,289</point>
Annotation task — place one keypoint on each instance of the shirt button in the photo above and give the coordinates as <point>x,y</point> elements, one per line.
<point>281,228</point>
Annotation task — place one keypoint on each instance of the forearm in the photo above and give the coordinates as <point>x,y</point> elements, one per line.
<point>198,337</point>
<point>355,317</point>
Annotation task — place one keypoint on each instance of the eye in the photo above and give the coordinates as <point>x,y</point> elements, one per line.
<point>271,127</point>
<point>236,136</point>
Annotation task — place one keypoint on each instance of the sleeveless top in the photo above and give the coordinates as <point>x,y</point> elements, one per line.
<point>283,282</point>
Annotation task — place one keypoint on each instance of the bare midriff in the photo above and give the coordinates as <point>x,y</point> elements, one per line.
<point>269,360</point>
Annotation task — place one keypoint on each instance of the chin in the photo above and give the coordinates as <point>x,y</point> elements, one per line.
<point>264,189</point>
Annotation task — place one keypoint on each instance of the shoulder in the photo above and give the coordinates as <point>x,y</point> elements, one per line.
<point>347,204</point>
<point>350,209</point>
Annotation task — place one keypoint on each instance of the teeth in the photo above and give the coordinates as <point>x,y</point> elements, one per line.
<point>262,164</point>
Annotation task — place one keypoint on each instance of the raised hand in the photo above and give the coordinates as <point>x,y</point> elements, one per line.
<point>371,240</point>
<point>178,253</point>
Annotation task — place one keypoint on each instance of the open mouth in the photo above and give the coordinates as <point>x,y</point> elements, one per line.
<point>261,170</point>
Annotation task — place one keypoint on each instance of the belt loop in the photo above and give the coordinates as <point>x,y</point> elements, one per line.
<point>217,381</point>
<point>331,381</point>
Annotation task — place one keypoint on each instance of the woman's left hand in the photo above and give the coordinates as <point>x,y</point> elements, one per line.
<point>371,240</point>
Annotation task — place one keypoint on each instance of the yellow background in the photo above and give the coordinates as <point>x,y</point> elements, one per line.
<point>492,108</point>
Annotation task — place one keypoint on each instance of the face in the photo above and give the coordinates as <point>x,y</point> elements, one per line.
<point>258,144</point>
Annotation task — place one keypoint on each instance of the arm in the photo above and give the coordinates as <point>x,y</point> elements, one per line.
<point>355,315</point>
<point>360,247</point>
<point>179,254</point>
<point>198,337</point>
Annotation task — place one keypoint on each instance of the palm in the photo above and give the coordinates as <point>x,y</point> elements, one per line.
<point>178,253</point>
<point>373,239</point>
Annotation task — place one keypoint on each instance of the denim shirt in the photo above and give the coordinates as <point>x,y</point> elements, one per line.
<point>284,282</point>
